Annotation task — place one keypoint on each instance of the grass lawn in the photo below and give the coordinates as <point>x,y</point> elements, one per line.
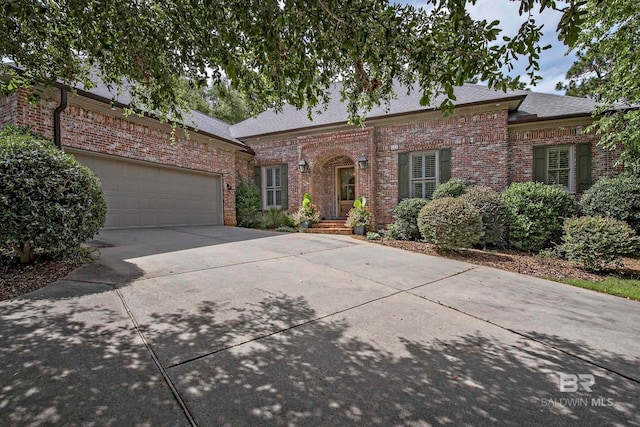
<point>626,288</point>
<point>623,282</point>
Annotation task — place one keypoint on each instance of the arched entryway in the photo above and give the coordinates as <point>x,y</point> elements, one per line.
<point>334,186</point>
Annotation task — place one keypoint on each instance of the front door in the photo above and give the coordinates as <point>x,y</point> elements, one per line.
<point>346,190</point>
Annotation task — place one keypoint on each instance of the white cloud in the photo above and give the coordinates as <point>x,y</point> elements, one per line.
<point>554,62</point>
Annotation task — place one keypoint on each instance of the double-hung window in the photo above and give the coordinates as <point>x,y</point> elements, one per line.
<point>272,187</point>
<point>560,166</point>
<point>424,174</point>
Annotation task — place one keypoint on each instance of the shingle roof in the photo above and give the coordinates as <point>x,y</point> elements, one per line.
<point>540,104</point>
<point>547,105</point>
<point>193,119</point>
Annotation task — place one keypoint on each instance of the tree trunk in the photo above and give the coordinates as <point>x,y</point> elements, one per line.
<point>25,251</point>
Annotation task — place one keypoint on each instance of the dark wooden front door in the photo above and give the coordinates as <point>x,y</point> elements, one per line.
<point>346,190</point>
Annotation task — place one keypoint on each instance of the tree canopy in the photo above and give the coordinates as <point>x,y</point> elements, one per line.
<point>218,100</point>
<point>274,51</point>
<point>586,75</point>
<point>607,70</point>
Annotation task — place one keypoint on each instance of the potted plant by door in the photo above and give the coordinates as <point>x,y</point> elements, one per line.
<point>359,216</point>
<point>307,213</point>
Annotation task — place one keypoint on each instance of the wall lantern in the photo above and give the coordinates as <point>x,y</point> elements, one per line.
<point>362,162</point>
<point>303,166</point>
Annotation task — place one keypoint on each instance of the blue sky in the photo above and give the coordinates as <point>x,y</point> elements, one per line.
<point>553,62</point>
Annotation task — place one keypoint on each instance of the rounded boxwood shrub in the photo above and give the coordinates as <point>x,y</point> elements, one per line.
<point>455,187</point>
<point>450,223</point>
<point>536,212</point>
<point>494,212</point>
<point>596,242</point>
<point>48,201</point>
<point>617,197</point>
<point>405,214</point>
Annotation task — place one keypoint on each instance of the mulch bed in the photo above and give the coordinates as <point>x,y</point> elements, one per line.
<point>17,279</point>
<point>516,261</point>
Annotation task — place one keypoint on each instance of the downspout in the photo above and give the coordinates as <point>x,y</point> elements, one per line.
<point>57,132</point>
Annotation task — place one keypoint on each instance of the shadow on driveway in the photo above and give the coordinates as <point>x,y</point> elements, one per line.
<point>86,366</point>
<point>114,250</point>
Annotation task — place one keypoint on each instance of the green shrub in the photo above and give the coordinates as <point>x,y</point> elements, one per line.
<point>275,218</point>
<point>597,242</point>
<point>617,197</point>
<point>536,213</point>
<point>494,213</point>
<point>359,214</point>
<point>455,187</point>
<point>247,204</point>
<point>405,214</point>
<point>49,202</point>
<point>372,235</point>
<point>287,229</point>
<point>450,223</point>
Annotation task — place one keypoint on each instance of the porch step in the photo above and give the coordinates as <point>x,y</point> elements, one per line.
<point>330,226</point>
<point>330,223</point>
<point>344,230</point>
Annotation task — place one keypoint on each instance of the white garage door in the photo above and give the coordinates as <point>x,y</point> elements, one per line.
<point>141,194</point>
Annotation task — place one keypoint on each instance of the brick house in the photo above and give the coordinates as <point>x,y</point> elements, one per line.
<point>405,150</point>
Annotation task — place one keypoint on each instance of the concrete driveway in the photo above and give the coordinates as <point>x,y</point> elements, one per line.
<point>228,326</point>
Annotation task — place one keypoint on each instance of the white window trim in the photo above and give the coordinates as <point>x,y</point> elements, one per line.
<point>411,179</point>
<point>264,188</point>
<point>572,165</point>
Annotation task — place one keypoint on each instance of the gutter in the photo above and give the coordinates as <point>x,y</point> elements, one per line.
<point>118,104</point>
<point>57,131</point>
<point>371,121</point>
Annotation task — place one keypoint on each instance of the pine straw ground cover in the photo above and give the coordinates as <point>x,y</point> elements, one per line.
<point>546,267</point>
<point>17,279</point>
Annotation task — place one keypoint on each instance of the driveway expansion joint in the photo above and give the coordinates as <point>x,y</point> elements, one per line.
<point>526,336</point>
<point>174,391</point>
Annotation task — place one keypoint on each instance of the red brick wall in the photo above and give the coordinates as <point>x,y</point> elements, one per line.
<point>8,109</point>
<point>116,135</point>
<point>521,145</point>
<point>244,169</point>
<point>323,153</point>
<point>478,143</point>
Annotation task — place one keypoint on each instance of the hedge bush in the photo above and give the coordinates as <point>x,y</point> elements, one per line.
<point>494,212</point>
<point>405,214</point>
<point>617,197</point>
<point>49,202</point>
<point>450,223</point>
<point>248,203</point>
<point>597,242</point>
<point>455,187</point>
<point>275,218</point>
<point>536,212</point>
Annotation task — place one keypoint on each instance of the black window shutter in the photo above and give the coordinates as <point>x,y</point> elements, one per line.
<point>445,165</point>
<point>257,177</point>
<point>403,176</point>
<point>540,164</point>
<point>583,166</point>
<point>284,183</point>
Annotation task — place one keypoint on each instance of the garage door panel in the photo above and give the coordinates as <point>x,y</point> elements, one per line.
<point>147,195</point>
